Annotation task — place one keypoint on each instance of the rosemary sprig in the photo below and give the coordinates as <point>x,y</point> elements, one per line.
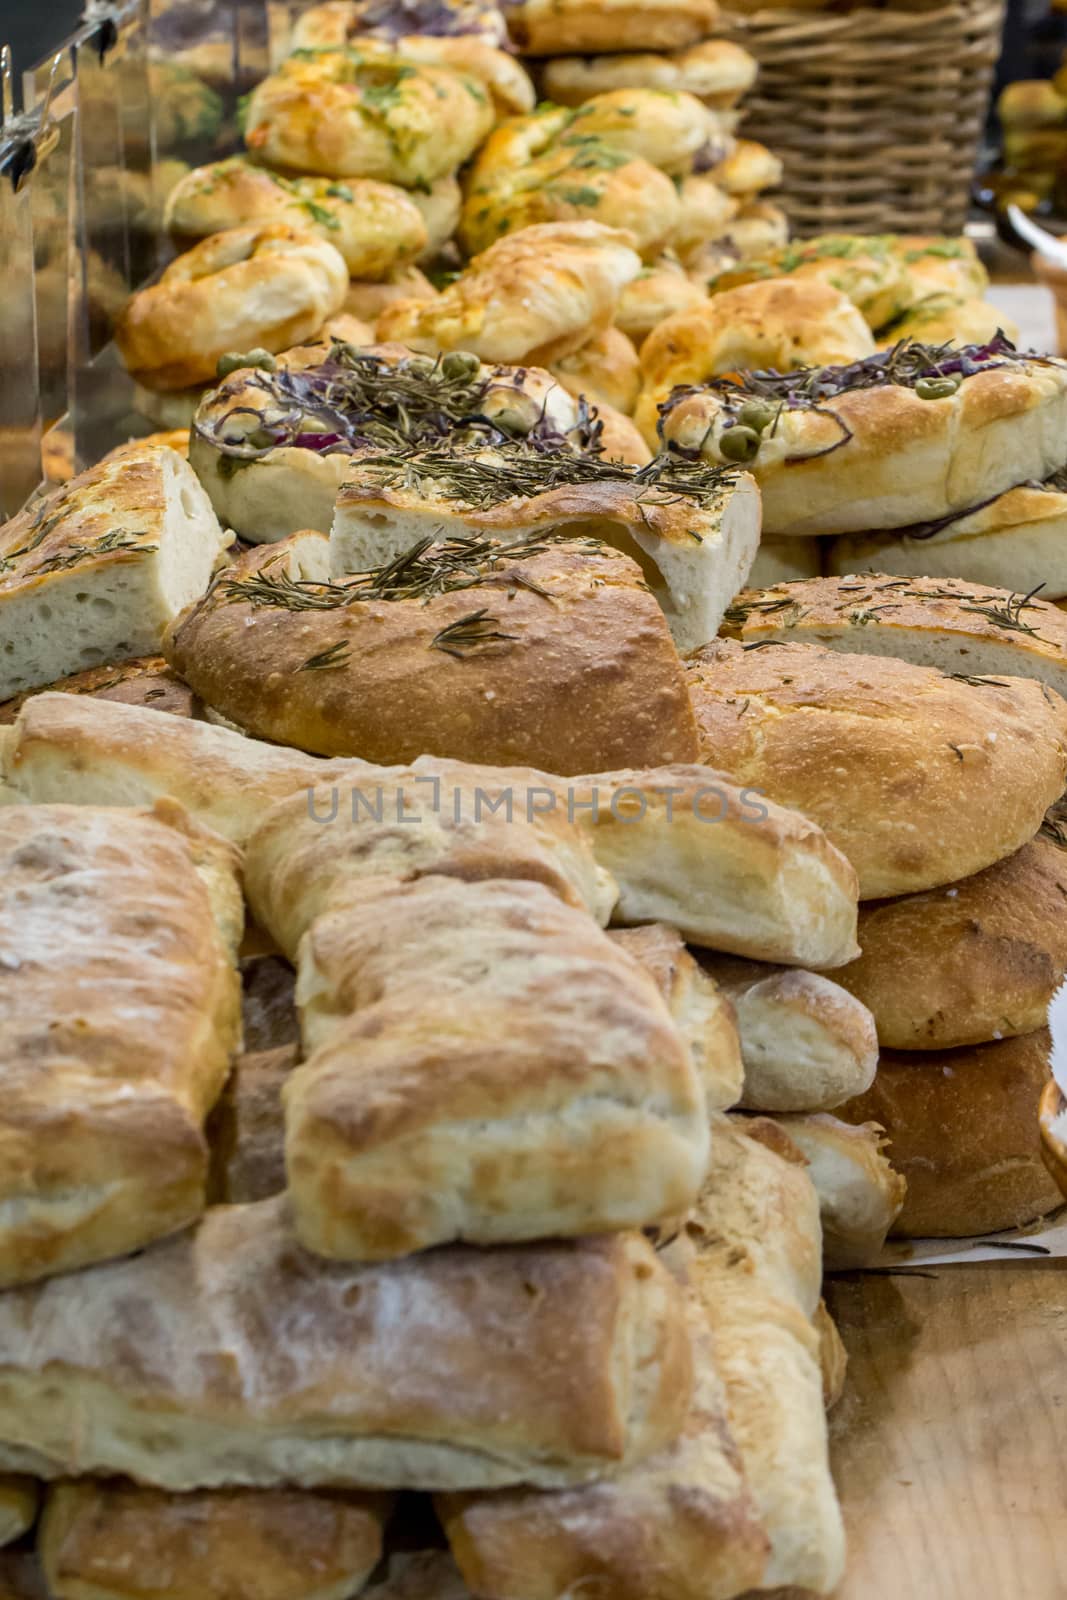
<point>468,633</point>
<point>337,655</point>
<point>1007,614</point>
<point>978,682</point>
<point>119,539</point>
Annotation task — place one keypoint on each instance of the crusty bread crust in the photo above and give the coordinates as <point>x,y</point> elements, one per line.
<point>592,27</point>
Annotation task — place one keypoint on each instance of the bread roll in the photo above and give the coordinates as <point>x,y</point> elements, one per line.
<point>860,1195</point>
<point>144,681</point>
<point>119,1541</point>
<point>659,291</point>
<point>1018,541</point>
<point>756,1268</point>
<point>679,1526</point>
<point>703,1015</point>
<point>591,27</point>
<point>494,1089</point>
<point>121,1010</point>
<point>560,658</point>
<point>229,1356</point>
<point>867,270</point>
<point>962,1129</point>
<point>340,22</point>
<point>95,573</point>
<point>964,965</point>
<point>960,629</point>
<point>18,1509</point>
<point>726,868</point>
<point>919,779</point>
<point>717,71</point>
<point>100,753</point>
<point>605,371</point>
<point>904,437</point>
<point>693,534</point>
<point>806,1043</point>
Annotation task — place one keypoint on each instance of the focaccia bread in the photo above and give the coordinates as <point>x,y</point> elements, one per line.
<point>1017,541</point>
<point>860,1194</point>
<point>920,779</point>
<point>693,533</point>
<point>95,573</point>
<point>702,1012</point>
<point>909,435</point>
<point>680,1526</point>
<point>807,1044</point>
<point>229,1356</point>
<point>18,1509</point>
<point>490,1088</point>
<point>66,748</point>
<point>120,1541</point>
<point>959,629</point>
<point>119,1013</point>
<point>962,1128</point>
<point>976,961</point>
<point>526,650</point>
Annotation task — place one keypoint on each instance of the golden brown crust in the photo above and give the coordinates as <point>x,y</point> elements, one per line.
<point>917,778</point>
<point>268,1366</point>
<point>963,1129</point>
<point>591,27</point>
<point>579,683</point>
<point>144,681</point>
<point>860,1193</point>
<point>660,291</point>
<point>868,271</point>
<point>174,438</point>
<point>120,1541</point>
<point>717,71</point>
<point>122,1012</point>
<point>749,168</point>
<point>977,961</point>
<point>605,370</point>
<point>267,287</point>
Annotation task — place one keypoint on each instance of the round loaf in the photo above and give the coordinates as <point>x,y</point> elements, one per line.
<point>494,674</point>
<point>909,436</point>
<point>340,22</point>
<point>1018,541</point>
<point>784,323</point>
<point>716,71</point>
<point>605,371</point>
<point>591,27</point>
<point>375,226</point>
<point>247,288</point>
<point>366,114</point>
<point>968,964</point>
<point>963,1130</point>
<point>532,297</point>
<point>920,779</point>
<point>707,212</point>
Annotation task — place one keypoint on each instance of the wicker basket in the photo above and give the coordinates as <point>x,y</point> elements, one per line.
<point>877,115</point>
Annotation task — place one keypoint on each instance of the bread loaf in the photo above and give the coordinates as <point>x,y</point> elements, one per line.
<point>860,1195</point>
<point>806,1043</point>
<point>962,1129</point>
<point>120,1011</point>
<point>918,778</point>
<point>95,573</point>
<point>704,1016</point>
<point>959,629</point>
<point>560,659</point>
<point>120,1541</point>
<point>229,1356</point>
<point>523,1082</point>
<point>970,963</point>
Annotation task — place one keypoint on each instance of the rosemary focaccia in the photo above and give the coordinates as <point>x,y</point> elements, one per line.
<point>120,1012</point>
<point>910,435</point>
<point>919,778</point>
<point>341,22</point>
<point>375,226</point>
<point>530,650</point>
<point>93,574</point>
<point>693,533</point>
<point>366,113</point>
<point>959,628</point>
<point>1017,541</point>
<point>230,1356</point>
<point>273,444</point>
<point>860,1193</point>
<point>121,1541</point>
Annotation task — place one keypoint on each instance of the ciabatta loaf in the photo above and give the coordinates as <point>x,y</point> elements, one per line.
<point>119,1011</point>
<point>121,1541</point>
<point>96,573</point>
<point>228,1355</point>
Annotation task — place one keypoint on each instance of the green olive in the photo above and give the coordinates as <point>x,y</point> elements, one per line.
<point>936,388</point>
<point>739,444</point>
<point>460,364</point>
<point>510,420</point>
<point>756,414</point>
<point>235,361</point>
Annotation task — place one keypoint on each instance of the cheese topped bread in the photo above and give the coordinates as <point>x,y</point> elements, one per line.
<point>93,574</point>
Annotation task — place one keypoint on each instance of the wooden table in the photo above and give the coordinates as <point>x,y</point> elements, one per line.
<point>950,1441</point>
